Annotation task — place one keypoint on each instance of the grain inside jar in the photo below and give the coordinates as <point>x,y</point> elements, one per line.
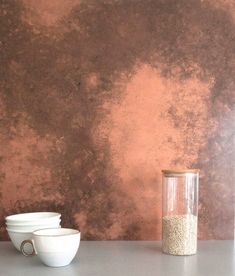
<point>179,234</point>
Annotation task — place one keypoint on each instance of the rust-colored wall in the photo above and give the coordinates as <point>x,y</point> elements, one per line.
<point>96,97</point>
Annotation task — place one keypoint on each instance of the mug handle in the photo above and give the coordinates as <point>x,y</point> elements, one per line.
<point>24,252</point>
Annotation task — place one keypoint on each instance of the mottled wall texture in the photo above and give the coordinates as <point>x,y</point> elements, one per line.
<point>97,96</point>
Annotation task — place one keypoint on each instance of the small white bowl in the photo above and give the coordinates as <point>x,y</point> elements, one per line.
<point>36,217</point>
<point>54,247</point>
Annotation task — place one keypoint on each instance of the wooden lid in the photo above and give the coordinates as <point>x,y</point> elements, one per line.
<point>167,172</point>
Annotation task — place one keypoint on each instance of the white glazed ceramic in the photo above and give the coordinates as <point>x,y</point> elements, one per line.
<point>33,222</point>
<point>36,217</point>
<point>18,236</point>
<point>54,247</point>
<point>32,228</point>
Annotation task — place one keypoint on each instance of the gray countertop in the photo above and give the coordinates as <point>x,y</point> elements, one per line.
<point>112,258</point>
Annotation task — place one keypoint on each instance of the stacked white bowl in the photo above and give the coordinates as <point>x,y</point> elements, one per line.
<point>21,226</point>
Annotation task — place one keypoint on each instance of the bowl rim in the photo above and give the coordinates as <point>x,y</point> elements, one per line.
<point>72,232</point>
<point>30,216</point>
<point>30,231</point>
<point>30,224</point>
<point>32,228</point>
<point>18,232</point>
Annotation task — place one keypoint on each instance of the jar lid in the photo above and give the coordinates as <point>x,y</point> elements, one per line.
<point>179,172</point>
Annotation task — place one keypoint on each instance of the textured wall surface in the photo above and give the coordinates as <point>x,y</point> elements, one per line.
<point>96,97</point>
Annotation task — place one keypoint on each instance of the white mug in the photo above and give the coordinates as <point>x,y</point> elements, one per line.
<point>55,247</point>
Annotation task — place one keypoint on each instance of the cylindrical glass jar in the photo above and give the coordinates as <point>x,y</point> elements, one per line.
<point>179,211</point>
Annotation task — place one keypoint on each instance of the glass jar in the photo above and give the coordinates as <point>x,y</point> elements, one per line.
<point>179,211</point>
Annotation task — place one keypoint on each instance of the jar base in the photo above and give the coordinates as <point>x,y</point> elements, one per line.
<point>180,255</point>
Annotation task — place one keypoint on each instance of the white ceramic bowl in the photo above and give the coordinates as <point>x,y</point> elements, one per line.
<point>32,223</point>
<point>17,236</point>
<point>32,218</point>
<point>54,247</point>
<point>32,228</point>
